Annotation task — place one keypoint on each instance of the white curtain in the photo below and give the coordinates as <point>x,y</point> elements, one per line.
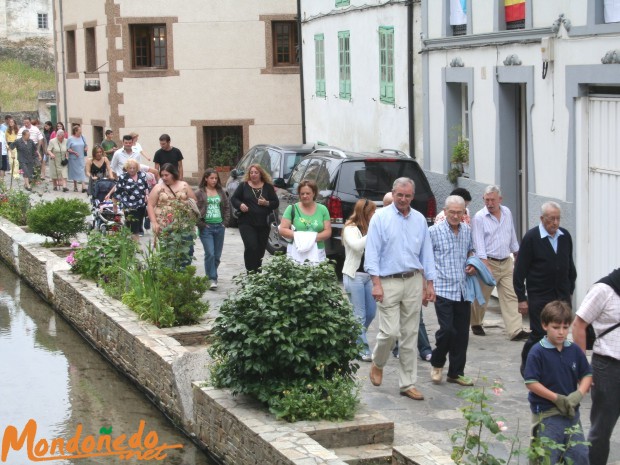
<point>612,11</point>
<point>458,12</point>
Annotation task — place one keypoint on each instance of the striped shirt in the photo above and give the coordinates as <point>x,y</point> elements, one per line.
<point>494,238</point>
<point>601,308</point>
<point>450,251</point>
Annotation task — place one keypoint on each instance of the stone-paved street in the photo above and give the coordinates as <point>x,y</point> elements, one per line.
<point>437,417</point>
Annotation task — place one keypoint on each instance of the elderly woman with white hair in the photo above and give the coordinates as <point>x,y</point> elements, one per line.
<point>57,152</point>
<point>131,191</point>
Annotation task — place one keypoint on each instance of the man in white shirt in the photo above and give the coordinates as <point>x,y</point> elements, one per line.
<point>35,133</point>
<point>122,155</point>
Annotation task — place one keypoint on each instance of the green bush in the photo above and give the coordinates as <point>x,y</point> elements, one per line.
<point>60,220</point>
<point>103,252</point>
<point>164,296</point>
<point>14,205</point>
<point>288,327</point>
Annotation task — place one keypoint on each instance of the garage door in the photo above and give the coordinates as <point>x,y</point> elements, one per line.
<point>604,186</point>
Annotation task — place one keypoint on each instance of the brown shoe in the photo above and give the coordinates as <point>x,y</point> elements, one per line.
<point>436,375</point>
<point>461,381</point>
<point>412,393</point>
<point>376,375</point>
<point>520,336</point>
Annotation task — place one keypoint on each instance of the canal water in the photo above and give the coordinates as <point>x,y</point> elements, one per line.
<point>49,374</point>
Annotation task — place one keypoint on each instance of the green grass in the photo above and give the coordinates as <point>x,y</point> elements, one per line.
<point>20,85</point>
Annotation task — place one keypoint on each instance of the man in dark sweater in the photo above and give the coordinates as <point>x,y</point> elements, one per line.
<point>544,268</point>
<point>168,154</point>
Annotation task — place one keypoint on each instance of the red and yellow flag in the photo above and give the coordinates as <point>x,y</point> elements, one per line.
<point>515,10</point>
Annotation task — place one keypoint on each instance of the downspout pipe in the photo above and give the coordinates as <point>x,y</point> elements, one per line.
<point>410,84</point>
<point>301,73</point>
<point>63,62</point>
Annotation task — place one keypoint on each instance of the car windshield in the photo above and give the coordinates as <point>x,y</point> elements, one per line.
<point>371,179</point>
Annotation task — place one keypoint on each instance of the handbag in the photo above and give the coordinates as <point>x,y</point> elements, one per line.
<point>591,335</point>
<point>64,162</point>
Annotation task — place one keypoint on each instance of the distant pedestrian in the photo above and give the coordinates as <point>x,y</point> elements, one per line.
<point>452,245</point>
<point>34,131</point>
<point>558,375</point>
<point>398,253</point>
<point>109,145</point>
<point>77,149</point>
<point>57,152</point>
<point>601,309</point>
<point>122,155</point>
<point>461,192</point>
<point>544,268</point>
<point>494,240</point>
<point>168,154</point>
<point>27,156</point>
<point>136,148</point>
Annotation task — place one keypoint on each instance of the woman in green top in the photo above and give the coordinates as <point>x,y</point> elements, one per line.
<point>214,215</point>
<point>308,216</point>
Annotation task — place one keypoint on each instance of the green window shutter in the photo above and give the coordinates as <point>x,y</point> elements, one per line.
<point>344,64</point>
<point>343,2</point>
<point>319,61</point>
<point>386,64</point>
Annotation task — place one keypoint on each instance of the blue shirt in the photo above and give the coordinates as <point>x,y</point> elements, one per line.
<point>558,371</point>
<point>552,239</point>
<point>450,251</point>
<point>398,244</point>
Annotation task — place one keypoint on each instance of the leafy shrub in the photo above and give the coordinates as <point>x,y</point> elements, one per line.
<point>288,327</point>
<point>165,296</point>
<point>61,219</point>
<point>103,252</point>
<point>14,205</point>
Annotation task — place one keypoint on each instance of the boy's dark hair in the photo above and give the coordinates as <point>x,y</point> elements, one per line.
<point>557,311</point>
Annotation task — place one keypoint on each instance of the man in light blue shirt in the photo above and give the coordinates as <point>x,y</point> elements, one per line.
<point>399,257</point>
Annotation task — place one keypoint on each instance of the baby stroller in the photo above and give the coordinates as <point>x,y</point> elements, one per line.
<point>104,218</point>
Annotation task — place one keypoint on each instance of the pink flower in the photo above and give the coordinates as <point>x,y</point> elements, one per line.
<point>497,391</point>
<point>71,259</point>
<point>21,171</point>
<point>75,244</point>
<point>502,426</point>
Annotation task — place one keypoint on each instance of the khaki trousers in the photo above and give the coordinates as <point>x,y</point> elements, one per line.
<point>399,318</point>
<point>508,303</point>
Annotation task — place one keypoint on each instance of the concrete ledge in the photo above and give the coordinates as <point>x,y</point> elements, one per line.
<point>423,453</point>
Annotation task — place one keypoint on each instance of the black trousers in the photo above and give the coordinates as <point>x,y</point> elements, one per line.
<point>255,241</point>
<point>452,337</point>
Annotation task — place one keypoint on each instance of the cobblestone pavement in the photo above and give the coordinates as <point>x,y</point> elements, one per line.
<point>492,357</point>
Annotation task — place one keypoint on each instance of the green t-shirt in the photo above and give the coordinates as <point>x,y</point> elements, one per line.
<point>214,214</point>
<point>309,223</point>
<point>108,145</point>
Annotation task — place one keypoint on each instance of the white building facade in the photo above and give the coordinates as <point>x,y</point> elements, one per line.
<point>358,80</point>
<point>535,89</point>
<point>202,71</point>
<point>23,19</point>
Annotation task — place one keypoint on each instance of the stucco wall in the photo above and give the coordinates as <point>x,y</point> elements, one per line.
<point>18,19</point>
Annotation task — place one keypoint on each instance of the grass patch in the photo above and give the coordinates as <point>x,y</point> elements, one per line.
<point>20,84</point>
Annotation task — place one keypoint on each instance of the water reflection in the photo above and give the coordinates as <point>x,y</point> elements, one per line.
<point>50,374</point>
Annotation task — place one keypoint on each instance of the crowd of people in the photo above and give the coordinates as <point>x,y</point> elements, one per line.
<point>394,266</point>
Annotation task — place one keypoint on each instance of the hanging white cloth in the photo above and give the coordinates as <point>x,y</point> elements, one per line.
<point>458,12</point>
<point>304,248</point>
<point>612,11</point>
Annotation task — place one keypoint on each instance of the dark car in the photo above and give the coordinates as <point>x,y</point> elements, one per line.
<point>278,161</point>
<point>342,179</point>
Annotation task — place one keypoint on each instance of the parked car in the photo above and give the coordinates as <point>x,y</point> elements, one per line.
<point>342,179</point>
<point>278,161</point>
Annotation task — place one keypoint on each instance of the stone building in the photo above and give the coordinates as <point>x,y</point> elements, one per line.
<point>203,72</point>
<point>22,19</point>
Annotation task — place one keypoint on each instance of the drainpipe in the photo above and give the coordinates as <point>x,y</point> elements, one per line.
<point>410,79</point>
<point>301,73</point>
<point>63,61</point>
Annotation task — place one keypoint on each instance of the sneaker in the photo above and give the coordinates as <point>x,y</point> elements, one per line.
<point>366,358</point>
<point>461,381</point>
<point>141,234</point>
<point>213,285</point>
<point>436,374</point>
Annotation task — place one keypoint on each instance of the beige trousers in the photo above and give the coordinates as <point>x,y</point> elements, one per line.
<point>399,318</point>
<point>508,303</point>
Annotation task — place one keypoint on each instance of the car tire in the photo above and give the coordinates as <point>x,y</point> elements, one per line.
<point>275,243</point>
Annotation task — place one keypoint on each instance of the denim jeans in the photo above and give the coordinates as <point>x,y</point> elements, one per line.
<point>554,428</point>
<point>359,290</point>
<point>212,238</point>
<point>605,406</point>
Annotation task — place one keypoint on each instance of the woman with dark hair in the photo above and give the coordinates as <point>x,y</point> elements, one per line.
<point>59,127</point>
<point>214,216</point>
<point>169,209</point>
<point>11,134</point>
<point>76,148</point>
<point>48,129</point>
<point>306,216</point>
<point>357,283</point>
<point>255,198</point>
<point>461,192</point>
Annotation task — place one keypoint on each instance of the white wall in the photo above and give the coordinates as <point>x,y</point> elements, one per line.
<point>364,123</point>
<point>18,19</point>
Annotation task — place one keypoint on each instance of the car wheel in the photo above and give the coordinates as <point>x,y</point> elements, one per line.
<point>275,243</point>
